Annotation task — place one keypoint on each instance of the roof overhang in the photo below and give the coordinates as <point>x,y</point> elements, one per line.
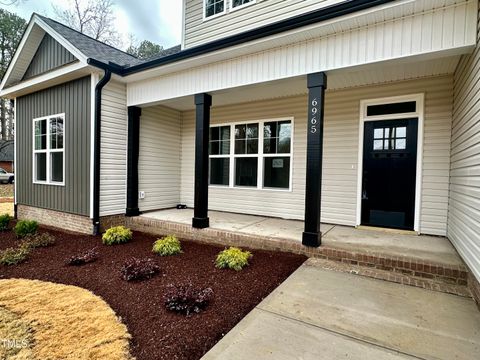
<point>49,79</point>
<point>34,33</point>
<point>415,30</point>
<point>367,75</point>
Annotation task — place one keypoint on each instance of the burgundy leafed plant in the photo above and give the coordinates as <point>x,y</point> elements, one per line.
<point>186,299</point>
<point>139,269</point>
<point>84,258</point>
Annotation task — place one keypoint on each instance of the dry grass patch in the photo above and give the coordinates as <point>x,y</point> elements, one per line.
<point>16,336</point>
<point>60,322</point>
<point>6,190</point>
<point>6,208</point>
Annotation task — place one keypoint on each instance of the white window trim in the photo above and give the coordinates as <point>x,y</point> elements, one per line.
<point>48,151</point>
<point>206,18</point>
<point>260,155</point>
<point>420,100</point>
<point>232,8</point>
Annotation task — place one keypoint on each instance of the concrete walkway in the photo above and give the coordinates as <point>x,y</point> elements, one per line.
<point>321,314</point>
<point>427,248</point>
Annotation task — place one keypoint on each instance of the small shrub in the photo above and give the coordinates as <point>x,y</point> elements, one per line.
<point>186,299</point>
<point>169,245</point>
<point>117,235</point>
<point>139,269</point>
<point>4,221</point>
<point>83,258</point>
<point>38,241</point>
<point>14,256</point>
<point>233,258</point>
<point>25,228</point>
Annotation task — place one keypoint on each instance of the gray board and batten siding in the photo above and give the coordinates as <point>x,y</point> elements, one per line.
<point>72,98</point>
<point>49,56</point>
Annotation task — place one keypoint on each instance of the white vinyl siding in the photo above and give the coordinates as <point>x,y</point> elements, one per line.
<point>346,43</point>
<point>464,205</point>
<point>159,159</point>
<point>263,12</point>
<point>340,154</point>
<point>113,164</point>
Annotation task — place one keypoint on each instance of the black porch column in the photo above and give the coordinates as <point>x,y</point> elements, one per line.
<point>202,129</point>
<point>132,160</point>
<point>317,84</point>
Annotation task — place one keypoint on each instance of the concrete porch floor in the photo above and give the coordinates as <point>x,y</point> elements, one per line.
<point>431,248</point>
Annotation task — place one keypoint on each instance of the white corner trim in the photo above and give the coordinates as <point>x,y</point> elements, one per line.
<point>15,198</point>
<point>94,77</point>
<point>64,70</point>
<point>420,100</point>
<point>182,40</point>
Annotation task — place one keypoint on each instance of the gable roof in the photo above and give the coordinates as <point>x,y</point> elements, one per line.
<point>90,47</point>
<point>91,52</point>
<point>43,62</point>
<point>84,48</point>
<point>6,150</point>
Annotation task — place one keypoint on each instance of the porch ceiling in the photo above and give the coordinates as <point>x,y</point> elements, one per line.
<point>372,74</point>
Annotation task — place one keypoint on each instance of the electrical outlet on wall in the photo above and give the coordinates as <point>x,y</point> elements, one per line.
<point>141,194</point>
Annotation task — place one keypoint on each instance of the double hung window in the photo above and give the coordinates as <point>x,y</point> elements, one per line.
<point>48,150</point>
<point>213,7</point>
<point>252,154</point>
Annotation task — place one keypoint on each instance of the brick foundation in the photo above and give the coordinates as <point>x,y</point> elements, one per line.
<point>401,265</point>
<point>107,222</point>
<point>474,287</point>
<point>62,220</point>
<point>66,221</point>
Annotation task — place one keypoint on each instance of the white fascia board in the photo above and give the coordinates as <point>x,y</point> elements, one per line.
<point>17,53</point>
<point>37,21</point>
<point>63,74</point>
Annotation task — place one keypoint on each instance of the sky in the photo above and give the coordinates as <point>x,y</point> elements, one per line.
<point>159,21</point>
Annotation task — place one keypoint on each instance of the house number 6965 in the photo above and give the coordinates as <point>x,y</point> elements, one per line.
<point>313,119</point>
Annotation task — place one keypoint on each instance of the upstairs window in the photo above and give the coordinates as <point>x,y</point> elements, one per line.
<point>240,3</point>
<point>213,7</point>
<point>48,150</point>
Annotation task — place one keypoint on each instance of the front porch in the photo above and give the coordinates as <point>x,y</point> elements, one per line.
<point>403,257</point>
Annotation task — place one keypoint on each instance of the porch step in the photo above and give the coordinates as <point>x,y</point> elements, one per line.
<point>398,266</point>
<point>428,284</point>
<point>404,269</point>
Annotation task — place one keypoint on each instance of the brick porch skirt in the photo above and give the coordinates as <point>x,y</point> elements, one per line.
<point>402,265</point>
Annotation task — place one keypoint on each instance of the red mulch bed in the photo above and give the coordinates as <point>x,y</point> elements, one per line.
<point>158,333</point>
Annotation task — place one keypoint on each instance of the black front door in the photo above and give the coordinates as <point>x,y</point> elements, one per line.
<point>389,173</point>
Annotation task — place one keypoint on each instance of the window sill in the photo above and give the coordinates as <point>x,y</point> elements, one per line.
<point>225,187</point>
<point>48,183</point>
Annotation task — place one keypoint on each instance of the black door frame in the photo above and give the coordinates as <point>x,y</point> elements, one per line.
<point>419,114</point>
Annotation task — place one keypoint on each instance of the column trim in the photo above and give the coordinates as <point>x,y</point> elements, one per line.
<point>133,150</point>
<point>316,83</point>
<point>203,102</point>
